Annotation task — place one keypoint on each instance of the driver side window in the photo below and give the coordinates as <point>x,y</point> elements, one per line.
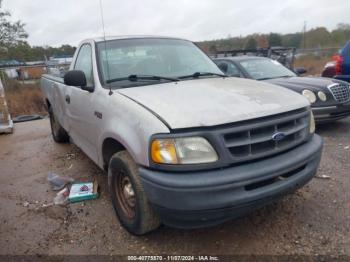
<point>84,63</point>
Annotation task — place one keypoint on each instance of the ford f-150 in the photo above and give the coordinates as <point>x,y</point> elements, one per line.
<point>182,144</point>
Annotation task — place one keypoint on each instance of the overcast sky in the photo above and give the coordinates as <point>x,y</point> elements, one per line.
<point>56,22</point>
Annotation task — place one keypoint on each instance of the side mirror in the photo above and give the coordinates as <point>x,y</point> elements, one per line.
<point>223,67</point>
<point>300,70</point>
<point>77,78</point>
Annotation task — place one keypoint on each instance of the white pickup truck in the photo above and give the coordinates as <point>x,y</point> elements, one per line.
<point>182,144</point>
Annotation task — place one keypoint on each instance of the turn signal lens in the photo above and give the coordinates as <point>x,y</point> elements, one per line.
<point>339,61</point>
<point>163,151</point>
<point>312,123</point>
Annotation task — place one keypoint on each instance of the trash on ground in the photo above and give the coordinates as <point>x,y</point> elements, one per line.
<point>83,191</point>
<point>346,147</point>
<point>47,205</point>
<point>62,197</point>
<point>58,182</point>
<point>70,156</point>
<point>26,204</point>
<point>323,176</point>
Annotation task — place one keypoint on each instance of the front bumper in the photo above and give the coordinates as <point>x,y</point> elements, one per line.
<point>205,198</point>
<point>331,113</point>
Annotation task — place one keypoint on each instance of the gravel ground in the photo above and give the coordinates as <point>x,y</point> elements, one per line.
<point>314,220</point>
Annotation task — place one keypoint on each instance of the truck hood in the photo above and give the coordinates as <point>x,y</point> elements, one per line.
<point>213,101</point>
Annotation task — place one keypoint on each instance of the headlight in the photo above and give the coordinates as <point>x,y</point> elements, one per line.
<point>187,150</point>
<point>309,95</point>
<point>312,123</point>
<point>322,96</point>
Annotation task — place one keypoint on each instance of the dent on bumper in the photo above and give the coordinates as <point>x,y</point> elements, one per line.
<point>204,198</point>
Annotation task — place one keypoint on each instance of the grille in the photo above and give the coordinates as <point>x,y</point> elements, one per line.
<point>340,92</point>
<point>254,139</point>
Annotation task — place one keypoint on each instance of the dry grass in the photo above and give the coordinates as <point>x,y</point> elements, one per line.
<point>313,64</point>
<point>24,99</point>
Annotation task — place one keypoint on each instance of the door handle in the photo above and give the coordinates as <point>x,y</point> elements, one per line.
<point>68,99</point>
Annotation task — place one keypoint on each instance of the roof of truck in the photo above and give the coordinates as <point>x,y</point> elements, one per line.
<point>108,38</point>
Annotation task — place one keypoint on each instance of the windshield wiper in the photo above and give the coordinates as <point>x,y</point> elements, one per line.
<point>266,78</point>
<point>198,74</point>
<point>134,78</point>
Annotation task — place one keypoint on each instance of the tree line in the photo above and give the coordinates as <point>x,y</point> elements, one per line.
<point>23,52</point>
<point>13,44</point>
<point>319,37</point>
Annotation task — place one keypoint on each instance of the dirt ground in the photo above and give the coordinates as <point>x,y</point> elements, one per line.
<point>314,220</point>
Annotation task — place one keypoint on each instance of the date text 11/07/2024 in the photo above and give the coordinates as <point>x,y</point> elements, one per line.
<point>173,258</point>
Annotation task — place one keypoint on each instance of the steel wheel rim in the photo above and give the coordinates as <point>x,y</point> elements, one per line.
<point>125,194</point>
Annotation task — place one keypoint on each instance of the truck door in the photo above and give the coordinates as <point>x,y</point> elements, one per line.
<point>83,124</point>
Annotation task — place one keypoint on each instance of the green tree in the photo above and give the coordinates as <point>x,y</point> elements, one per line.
<point>318,37</point>
<point>275,39</point>
<point>292,40</point>
<point>340,35</point>
<point>343,27</point>
<point>251,43</point>
<point>212,49</point>
<point>10,32</point>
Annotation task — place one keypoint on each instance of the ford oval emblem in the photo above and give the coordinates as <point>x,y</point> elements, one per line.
<point>278,136</point>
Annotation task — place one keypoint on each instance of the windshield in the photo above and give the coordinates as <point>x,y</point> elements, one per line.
<point>260,69</point>
<point>169,58</point>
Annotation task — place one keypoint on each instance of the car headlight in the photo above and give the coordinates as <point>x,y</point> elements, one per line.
<point>322,96</point>
<point>312,123</point>
<point>186,150</point>
<point>309,95</point>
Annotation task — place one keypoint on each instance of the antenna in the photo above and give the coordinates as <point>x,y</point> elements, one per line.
<point>304,35</point>
<point>105,44</point>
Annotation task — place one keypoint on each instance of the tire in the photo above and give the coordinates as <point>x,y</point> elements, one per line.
<point>58,133</point>
<point>26,118</point>
<point>131,206</point>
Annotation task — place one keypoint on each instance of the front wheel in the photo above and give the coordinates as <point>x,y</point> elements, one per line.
<point>128,197</point>
<point>58,133</point>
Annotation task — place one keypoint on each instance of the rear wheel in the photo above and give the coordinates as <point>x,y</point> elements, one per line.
<point>128,196</point>
<point>58,133</point>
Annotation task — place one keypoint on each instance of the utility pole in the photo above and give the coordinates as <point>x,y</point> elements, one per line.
<point>304,35</point>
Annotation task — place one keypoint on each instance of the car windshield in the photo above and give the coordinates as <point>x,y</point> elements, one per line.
<point>160,57</point>
<point>261,69</point>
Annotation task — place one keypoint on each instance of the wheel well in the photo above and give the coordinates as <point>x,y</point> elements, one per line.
<point>48,103</point>
<point>110,146</point>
